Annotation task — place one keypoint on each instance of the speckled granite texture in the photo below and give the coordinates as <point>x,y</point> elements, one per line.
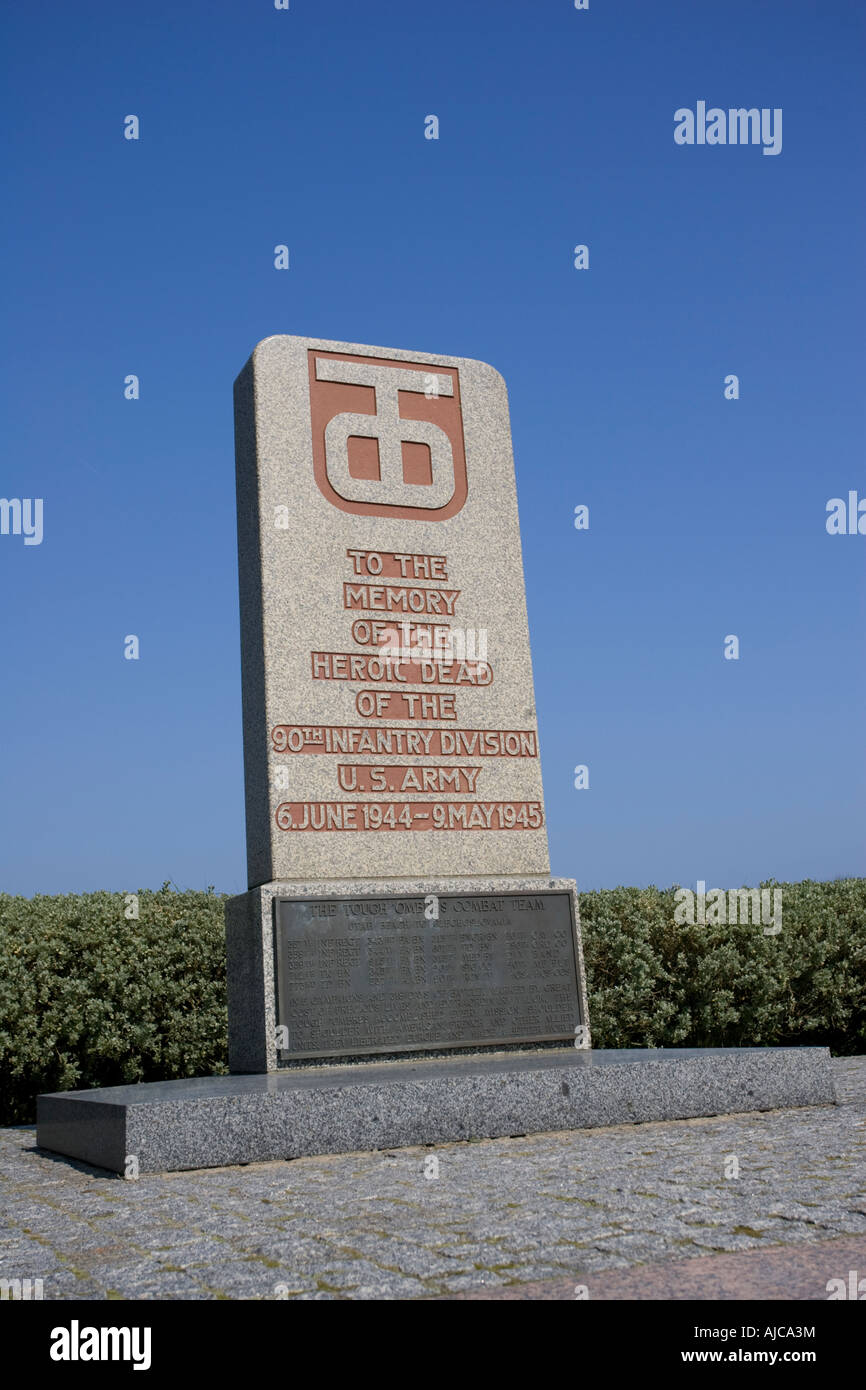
<point>293,565</point>
<point>495,1215</point>
<point>215,1121</point>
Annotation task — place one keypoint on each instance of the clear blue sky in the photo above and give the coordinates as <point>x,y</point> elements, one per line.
<point>707,517</point>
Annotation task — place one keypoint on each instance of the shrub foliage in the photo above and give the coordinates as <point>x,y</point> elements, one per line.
<point>90,998</point>
<point>653,983</point>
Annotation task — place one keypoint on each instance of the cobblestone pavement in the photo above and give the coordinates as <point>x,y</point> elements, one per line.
<point>803,1270</point>
<point>381,1225</point>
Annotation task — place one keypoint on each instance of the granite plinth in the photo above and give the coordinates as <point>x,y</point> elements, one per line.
<point>209,1122</point>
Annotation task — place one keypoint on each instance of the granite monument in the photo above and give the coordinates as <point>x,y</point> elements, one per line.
<point>400,892</point>
<point>403,969</point>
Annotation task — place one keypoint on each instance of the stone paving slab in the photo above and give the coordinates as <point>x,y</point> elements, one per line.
<point>804,1271</point>
<point>501,1214</point>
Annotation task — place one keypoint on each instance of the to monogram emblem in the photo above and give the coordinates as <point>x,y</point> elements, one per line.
<point>387,436</point>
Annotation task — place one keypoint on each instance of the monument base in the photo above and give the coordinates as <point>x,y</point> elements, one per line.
<point>513,1001</point>
<point>215,1121</point>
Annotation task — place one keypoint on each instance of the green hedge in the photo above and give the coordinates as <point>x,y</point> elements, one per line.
<point>90,998</point>
<point>652,983</point>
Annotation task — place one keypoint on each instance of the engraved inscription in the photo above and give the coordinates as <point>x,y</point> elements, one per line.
<point>365,975</point>
<point>400,655</point>
<point>409,815</point>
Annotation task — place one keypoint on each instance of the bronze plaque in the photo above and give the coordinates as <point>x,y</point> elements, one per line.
<point>411,974</point>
